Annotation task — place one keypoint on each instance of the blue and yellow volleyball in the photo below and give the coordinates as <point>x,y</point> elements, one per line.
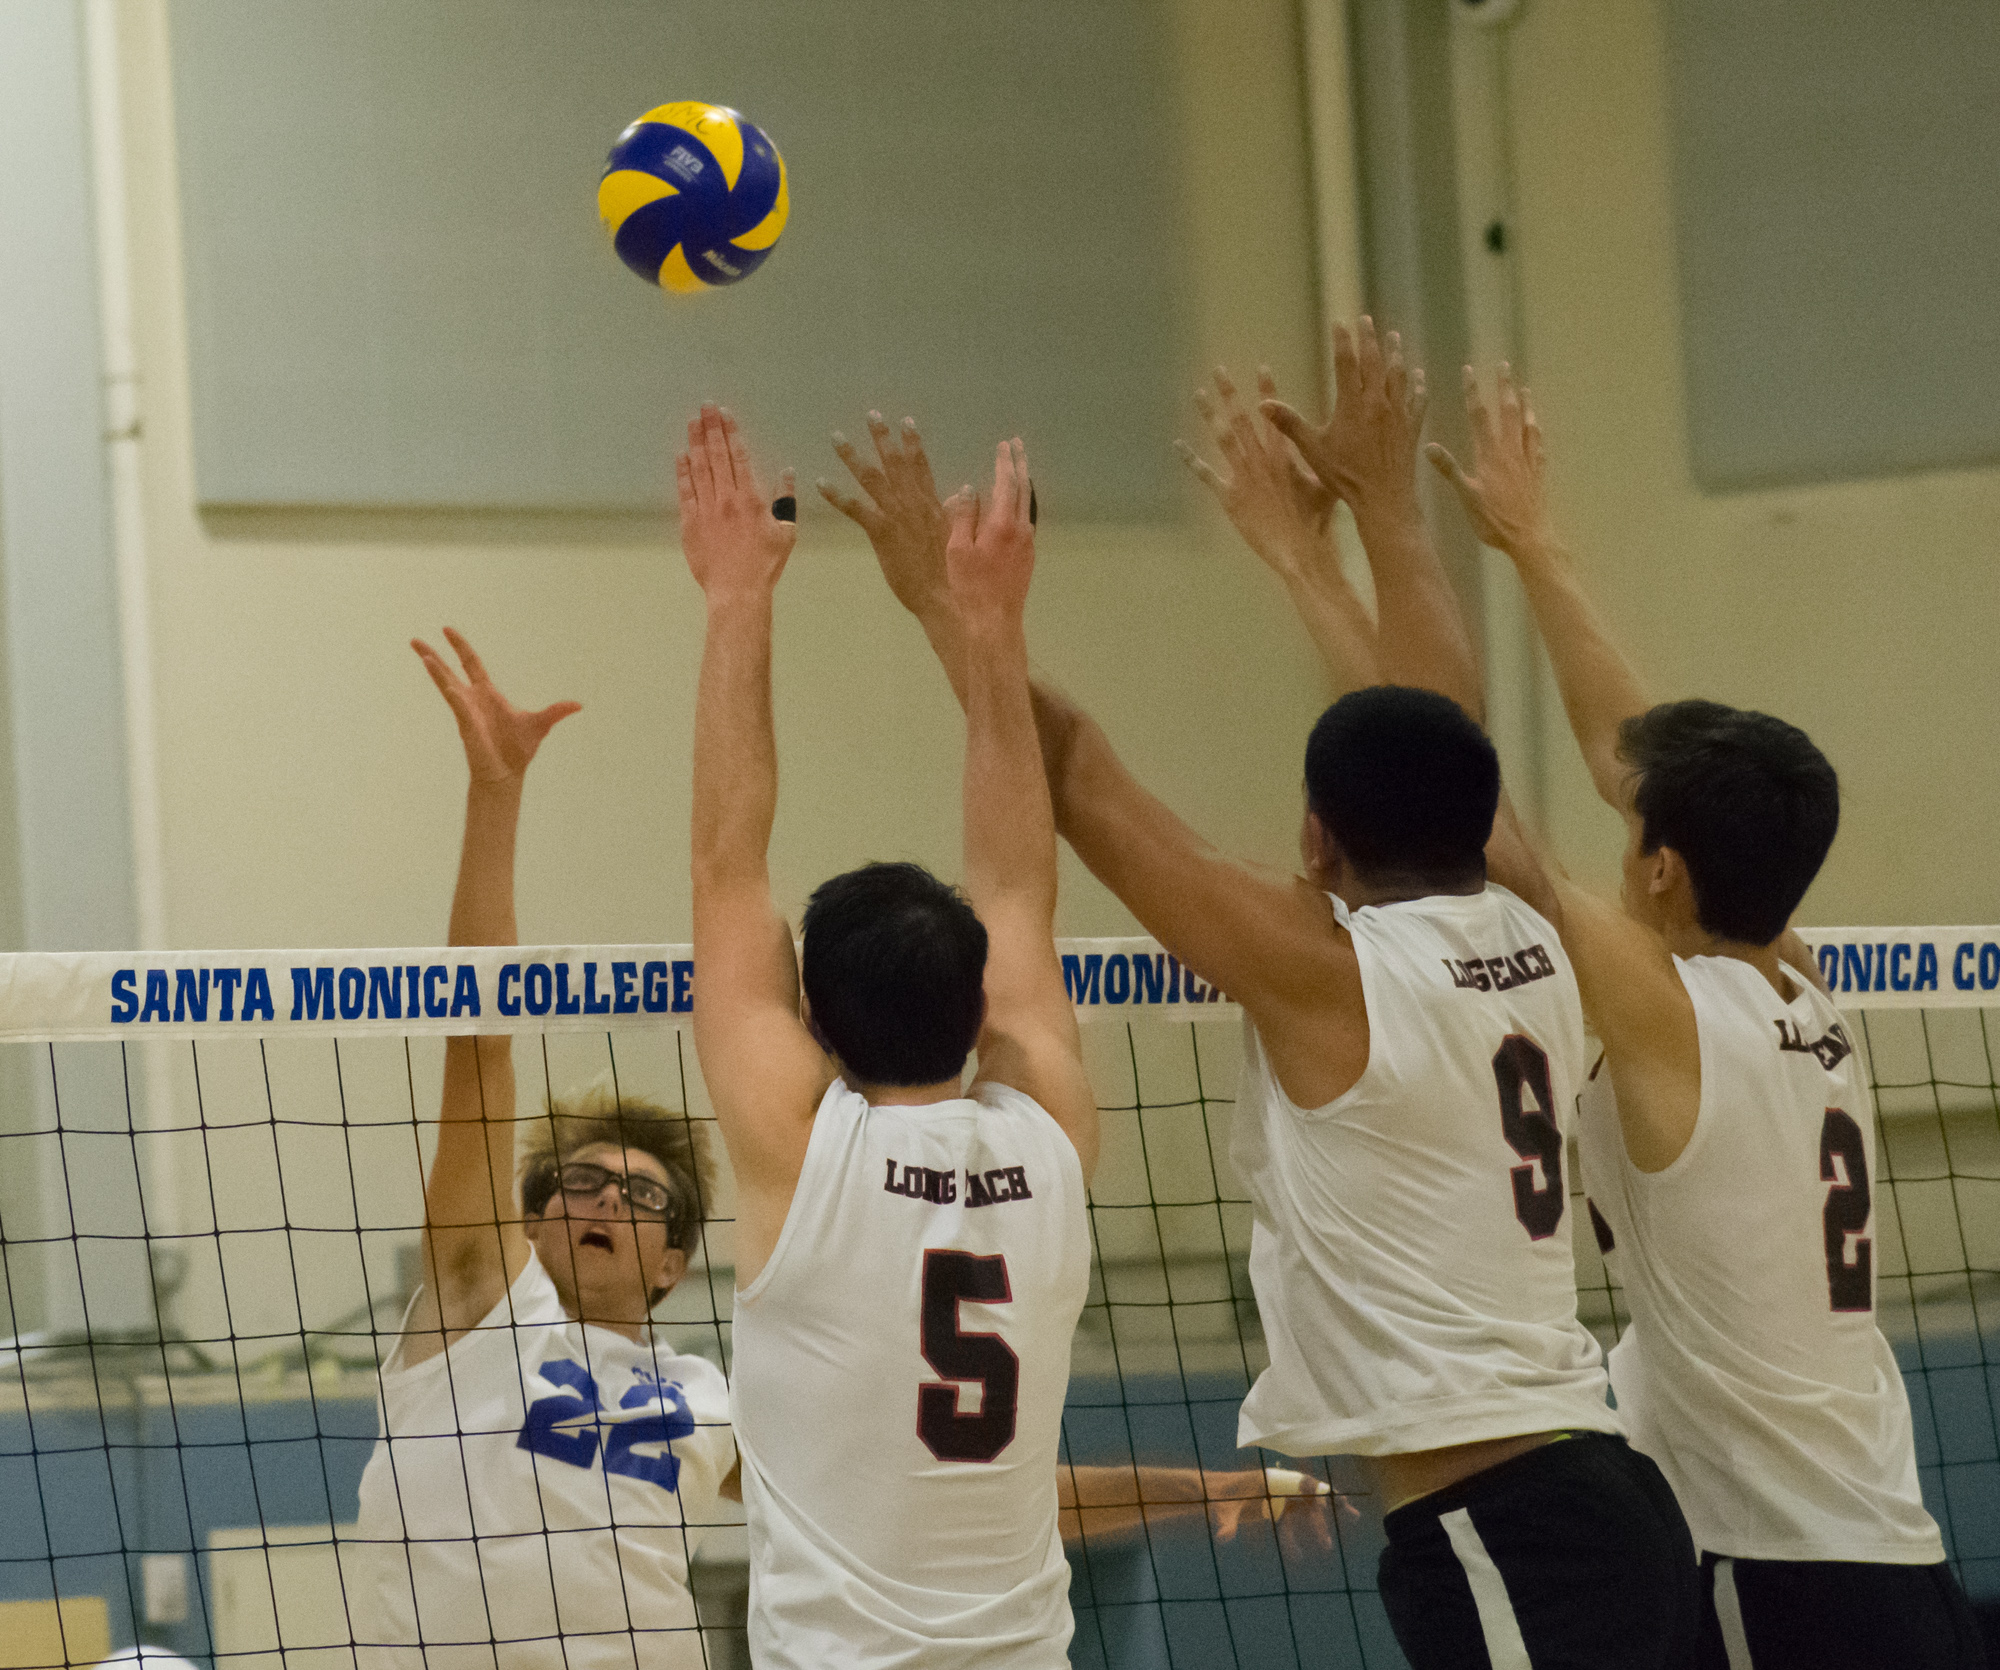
<point>693,196</point>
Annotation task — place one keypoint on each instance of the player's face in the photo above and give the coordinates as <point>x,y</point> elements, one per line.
<point>604,1251</point>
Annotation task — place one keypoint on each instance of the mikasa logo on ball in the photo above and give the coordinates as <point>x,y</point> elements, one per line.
<point>684,162</point>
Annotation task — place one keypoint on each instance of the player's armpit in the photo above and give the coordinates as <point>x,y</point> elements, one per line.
<point>1640,1009</point>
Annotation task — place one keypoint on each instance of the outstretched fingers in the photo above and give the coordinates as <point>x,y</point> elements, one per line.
<point>700,466</point>
<point>1346,364</point>
<point>684,487</point>
<point>468,657</point>
<point>874,482</point>
<point>548,718</point>
<point>1450,468</point>
<point>1478,414</point>
<point>450,686</point>
<point>867,516</point>
<point>917,460</point>
<point>1368,351</point>
<point>1204,471</point>
<point>1288,423</point>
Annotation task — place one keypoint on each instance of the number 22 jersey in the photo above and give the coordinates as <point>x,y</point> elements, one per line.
<point>535,1496</point>
<point>1753,1371</point>
<point>898,1381</point>
<point>1409,1244</point>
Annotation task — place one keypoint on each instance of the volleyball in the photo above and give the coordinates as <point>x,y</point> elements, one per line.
<point>693,196</point>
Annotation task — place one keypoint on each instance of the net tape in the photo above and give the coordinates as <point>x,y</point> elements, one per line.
<point>405,991</point>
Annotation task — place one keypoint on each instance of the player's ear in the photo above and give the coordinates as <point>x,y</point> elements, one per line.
<point>673,1265</point>
<point>1317,847</point>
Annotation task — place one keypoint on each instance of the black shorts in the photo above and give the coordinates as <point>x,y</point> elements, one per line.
<point>1835,1615</point>
<point>1573,1556</point>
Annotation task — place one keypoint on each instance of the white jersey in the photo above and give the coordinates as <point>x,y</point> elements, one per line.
<point>535,1497</point>
<point>900,1367</point>
<point>1753,1371</point>
<point>1409,1247</point>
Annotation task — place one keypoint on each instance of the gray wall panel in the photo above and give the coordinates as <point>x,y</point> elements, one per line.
<point>399,293</point>
<point>1837,192</point>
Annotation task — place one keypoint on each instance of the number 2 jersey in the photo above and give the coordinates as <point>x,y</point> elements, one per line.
<point>534,1498</point>
<point>1753,1371</point>
<point>899,1372</point>
<point>1410,1245</point>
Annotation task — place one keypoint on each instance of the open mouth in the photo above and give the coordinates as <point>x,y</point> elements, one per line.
<point>595,1238</point>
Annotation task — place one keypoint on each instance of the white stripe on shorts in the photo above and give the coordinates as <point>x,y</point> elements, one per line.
<point>1504,1646</point>
<point>1729,1613</point>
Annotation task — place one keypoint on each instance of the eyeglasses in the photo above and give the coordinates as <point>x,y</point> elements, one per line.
<point>647,1195</point>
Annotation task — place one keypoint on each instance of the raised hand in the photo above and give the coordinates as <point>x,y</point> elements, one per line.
<point>1367,451</point>
<point>990,553</point>
<point>901,514</point>
<point>1282,510</point>
<point>500,738</point>
<point>1505,499</point>
<point>732,541</point>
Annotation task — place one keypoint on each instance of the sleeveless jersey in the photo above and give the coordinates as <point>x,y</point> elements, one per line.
<point>1410,1246</point>
<point>1753,1371</point>
<point>534,1498</point>
<point>899,1373</point>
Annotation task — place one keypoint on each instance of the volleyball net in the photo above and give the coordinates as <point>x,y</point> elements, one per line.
<point>211,1193</point>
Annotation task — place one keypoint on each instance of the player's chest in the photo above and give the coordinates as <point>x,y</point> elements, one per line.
<point>630,1418</point>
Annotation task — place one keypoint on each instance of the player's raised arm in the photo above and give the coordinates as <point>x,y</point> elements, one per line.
<point>900,512</point>
<point>1224,919</point>
<point>1635,1001</point>
<point>763,1069</point>
<point>1285,515</point>
<point>1507,502</point>
<point>1366,452</point>
<point>1028,1039</point>
<point>473,1241</point>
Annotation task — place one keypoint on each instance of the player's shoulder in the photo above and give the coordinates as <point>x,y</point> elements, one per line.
<point>694,1374</point>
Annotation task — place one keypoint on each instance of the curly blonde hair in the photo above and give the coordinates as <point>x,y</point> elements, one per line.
<point>598,1114</point>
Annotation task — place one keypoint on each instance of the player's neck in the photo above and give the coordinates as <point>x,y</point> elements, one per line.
<point>1398,890</point>
<point>613,1318</point>
<point>1693,940</point>
<point>908,1095</point>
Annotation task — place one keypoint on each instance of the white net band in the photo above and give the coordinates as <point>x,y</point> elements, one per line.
<point>430,990</point>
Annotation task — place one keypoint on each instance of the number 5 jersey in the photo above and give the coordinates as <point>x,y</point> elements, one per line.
<point>1410,1245</point>
<point>535,1497</point>
<point>899,1373</point>
<point>1753,1371</point>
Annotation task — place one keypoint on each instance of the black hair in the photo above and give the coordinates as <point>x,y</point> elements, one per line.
<point>894,968</point>
<point>1406,782</point>
<point>1748,801</point>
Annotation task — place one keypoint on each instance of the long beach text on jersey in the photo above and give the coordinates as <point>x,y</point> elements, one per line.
<point>574,1425</point>
<point>995,1186</point>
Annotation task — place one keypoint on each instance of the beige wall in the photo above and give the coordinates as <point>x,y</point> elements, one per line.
<point>311,781</point>
<point>1860,611</point>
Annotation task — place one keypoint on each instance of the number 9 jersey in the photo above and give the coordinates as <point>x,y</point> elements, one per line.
<point>898,1381</point>
<point>1410,1248</point>
<point>1753,1371</point>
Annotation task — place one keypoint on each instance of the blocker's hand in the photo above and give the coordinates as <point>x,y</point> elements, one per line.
<point>733,542</point>
<point>1367,451</point>
<point>990,556</point>
<point>1506,500</point>
<point>1282,510</point>
<point>500,738</point>
<point>901,514</point>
